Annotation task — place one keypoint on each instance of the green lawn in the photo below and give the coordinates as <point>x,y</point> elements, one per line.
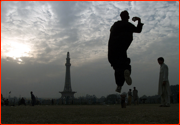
<point>99,114</point>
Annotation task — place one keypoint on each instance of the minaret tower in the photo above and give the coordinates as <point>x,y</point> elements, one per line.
<point>67,86</point>
<point>67,93</point>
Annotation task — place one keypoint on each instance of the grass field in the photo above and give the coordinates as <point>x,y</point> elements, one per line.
<point>89,114</point>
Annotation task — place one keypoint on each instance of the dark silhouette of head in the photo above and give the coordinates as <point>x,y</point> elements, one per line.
<point>129,89</point>
<point>124,15</point>
<point>134,88</point>
<point>160,60</point>
<point>31,92</point>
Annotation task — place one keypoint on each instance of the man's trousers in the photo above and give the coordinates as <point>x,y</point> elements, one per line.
<point>165,98</point>
<point>119,71</point>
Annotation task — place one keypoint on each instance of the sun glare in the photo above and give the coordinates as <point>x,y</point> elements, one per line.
<point>18,50</point>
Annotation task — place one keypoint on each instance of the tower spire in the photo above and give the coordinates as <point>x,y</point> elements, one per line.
<point>67,54</point>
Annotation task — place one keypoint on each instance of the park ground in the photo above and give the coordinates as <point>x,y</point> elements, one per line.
<point>90,114</point>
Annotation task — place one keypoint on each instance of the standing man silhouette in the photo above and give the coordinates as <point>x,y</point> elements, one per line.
<point>164,89</point>
<point>121,36</point>
<point>33,99</point>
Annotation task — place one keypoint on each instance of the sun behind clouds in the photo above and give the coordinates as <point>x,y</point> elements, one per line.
<point>18,50</point>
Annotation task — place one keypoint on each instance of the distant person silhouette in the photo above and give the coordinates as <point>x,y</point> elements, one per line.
<point>129,97</point>
<point>123,100</point>
<point>2,100</point>
<point>33,99</point>
<point>6,102</point>
<point>121,36</point>
<point>22,101</point>
<point>135,96</point>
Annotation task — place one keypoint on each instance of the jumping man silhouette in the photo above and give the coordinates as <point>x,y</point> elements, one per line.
<point>121,36</point>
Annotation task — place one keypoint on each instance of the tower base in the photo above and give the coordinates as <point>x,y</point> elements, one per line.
<point>67,97</point>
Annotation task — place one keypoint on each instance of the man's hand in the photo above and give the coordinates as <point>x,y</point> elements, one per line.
<point>164,83</point>
<point>136,18</point>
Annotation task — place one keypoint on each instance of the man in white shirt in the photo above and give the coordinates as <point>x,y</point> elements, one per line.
<point>164,88</point>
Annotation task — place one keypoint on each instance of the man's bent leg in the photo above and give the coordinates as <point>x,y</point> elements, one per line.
<point>119,78</point>
<point>127,71</point>
<point>127,77</point>
<point>120,66</point>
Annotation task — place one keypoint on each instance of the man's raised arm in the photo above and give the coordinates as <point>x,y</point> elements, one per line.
<point>138,29</point>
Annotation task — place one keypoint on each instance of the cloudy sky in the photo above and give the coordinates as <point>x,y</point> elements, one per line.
<point>36,36</point>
